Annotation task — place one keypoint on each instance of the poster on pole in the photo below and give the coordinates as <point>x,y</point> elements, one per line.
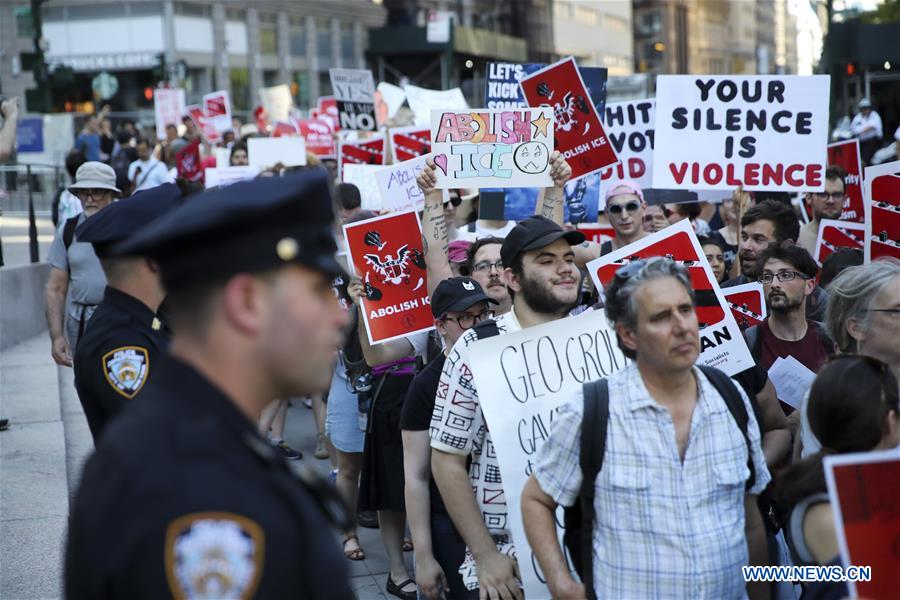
<point>209,133</point>
<point>502,88</point>
<point>526,375</point>
<point>264,153</point>
<point>365,152</point>
<point>217,107</point>
<point>862,491</point>
<point>187,162</point>
<point>168,109</point>
<point>846,155</point>
<point>363,177</point>
<point>747,303</point>
<point>492,148</point>
<point>835,234</point>
<point>422,101</point>
<point>386,253</point>
<point>764,132</point>
<point>409,142</point>
<point>721,343</point>
<point>580,135</point>
<point>397,186</point>
<point>319,137</point>
<point>277,102</point>
<point>881,186</point>
<point>629,126</point>
<point>354,92</point>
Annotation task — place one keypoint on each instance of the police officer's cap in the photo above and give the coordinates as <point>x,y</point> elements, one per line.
<point>118,221</point>
<point>246,227</point>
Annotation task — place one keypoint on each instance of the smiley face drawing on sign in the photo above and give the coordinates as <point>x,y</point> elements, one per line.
<point>531,157</point>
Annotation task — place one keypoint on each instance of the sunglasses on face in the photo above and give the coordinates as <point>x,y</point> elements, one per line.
<point>454,200</point>
<point>616,209</point>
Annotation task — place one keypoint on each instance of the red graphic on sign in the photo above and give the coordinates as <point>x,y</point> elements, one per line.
<point>885,238</point>
<point>597,232</point>
<point>747,303</point>
<point>386,253</point>
<point>187,161</point>
<point>410,144</point>
<point>215,106</point>
<point>846,155</point>
<point>285,129</point>
<point>579,134</point>
<point>368,152</point>
<point>327,107</point>
<point>834,237</point>
<point>319,137</point>
<point>262,120</point>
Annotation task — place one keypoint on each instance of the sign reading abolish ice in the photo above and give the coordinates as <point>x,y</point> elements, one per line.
<point>398,188</point>
<point>386,253</point>
<point>492,148</point>
<point>721,343</point>
<point>765,132</point>
<point>354,91</point>
<point>523,377</point>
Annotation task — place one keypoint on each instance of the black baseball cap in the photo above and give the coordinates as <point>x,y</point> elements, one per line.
<point>533,233</point>
<point>456,294</point>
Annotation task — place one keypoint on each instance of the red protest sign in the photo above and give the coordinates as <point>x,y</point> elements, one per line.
<point>203,124</point>
<point>327,107</point>
<point>747,303</point>
<point>846,155</point>
<point>262,120</point>
<point>284,128</point>
<point>367,152</point>
<point>834,234</point>
<point>597,232</point>
<point>319,136</point>
<point>386,253</point>
<point>187,161</point>
<point>578,131</point>
<point>410,142</point>
<point>882,204</point>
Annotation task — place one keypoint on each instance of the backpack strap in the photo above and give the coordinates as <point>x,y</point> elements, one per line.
<point>754,341</point>
<point>593,447</point>
<point>68,234</point>
<point>735,403</point>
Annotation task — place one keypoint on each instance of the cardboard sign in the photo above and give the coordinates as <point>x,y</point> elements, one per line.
<point>397,186</point>
<point>492,148</point>
<point>597,232</point>
<point>207,130</point>
<point>363,177</point>
<point>264,153</point>
<point>222,176</point>
<point>388,100</point>
<point>522,378</point>
<point>765,132</point>
<point>354,91</point>
<point>326,107</point>
<point>168,108</point>
<point>882,204</point>
<point>422,101</point>
<point>386,253</point>
<point>629,126</point>
<point>277,101</point>
<point>409,142</point>
<point>834,234</point>
<point>502,88</point>
<point>187,162</point>
<point>580,135</point>
<point>846,155</point>
<point>217,107</point>
<point>319,137</point>
<point>285,128</point>
<point>721,343</point>
<point>747,303</point>
<point>367,152</point>
<point>862,489</point>
<point>581,200</point>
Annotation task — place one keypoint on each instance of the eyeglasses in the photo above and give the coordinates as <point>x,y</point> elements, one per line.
<point>485,266</point>
<point>454,200</point>
<point>783,276</point>
<point>616,209</point>
<point>467,320</point>
<point>836,196</point>
<point>84,194</point>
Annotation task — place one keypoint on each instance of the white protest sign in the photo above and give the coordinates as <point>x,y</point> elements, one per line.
<point>217,108</point>
<point>266,152</point>
<point>168,109</point>
<point>422,101</point>
<point>398,188</point>
<point>765,132</point>
<point>629,127</point>
<point>223,156</point>
<point>354,92</point>
<point>363,177</point>
<point>522,378</point>
<point>388,100</point>
<point>222,176</point>
<point>504,147</point>
<point>791,379</point>
<point>277,102</point>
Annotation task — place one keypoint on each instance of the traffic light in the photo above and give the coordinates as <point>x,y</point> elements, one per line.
<point>851,69</point>
<point>159,71</point>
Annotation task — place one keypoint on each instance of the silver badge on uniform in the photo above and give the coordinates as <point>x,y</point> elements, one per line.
<point>214,555</point>
<point>126,369</point>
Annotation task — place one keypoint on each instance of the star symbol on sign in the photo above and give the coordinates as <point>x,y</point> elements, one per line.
<point>540,125</point>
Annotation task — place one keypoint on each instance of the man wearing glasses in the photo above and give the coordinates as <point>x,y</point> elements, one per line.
<point>827,204</point>
<point>75,270</point>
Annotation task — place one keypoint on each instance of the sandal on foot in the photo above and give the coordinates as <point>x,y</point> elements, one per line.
<point>354,553</point>
<point>397,590</point>
<point>407,546</point>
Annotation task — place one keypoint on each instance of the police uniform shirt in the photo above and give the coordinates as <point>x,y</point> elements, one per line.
<point>117,356</point>
<point>184,499</point>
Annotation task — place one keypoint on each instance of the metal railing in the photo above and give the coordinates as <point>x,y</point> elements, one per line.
<point>29,189</point>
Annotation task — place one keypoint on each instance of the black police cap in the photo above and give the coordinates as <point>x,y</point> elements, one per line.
<point>533,233</point>
<point>457,294</point>
<point>121,219</point>
<point>246,227</point>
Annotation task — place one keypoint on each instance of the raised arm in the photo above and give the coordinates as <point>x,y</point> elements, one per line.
<point>434,229</point>
<point>550,200</point>
<point>382,353</point>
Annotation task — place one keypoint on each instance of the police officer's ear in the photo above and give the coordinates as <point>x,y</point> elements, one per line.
<point>245,303</point>
<point>153,266</point>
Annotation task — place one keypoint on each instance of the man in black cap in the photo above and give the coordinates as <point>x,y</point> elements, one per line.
<point>539,269</point>
<point>183,498</point>
<point>458,304</point>
<point>119,352</point>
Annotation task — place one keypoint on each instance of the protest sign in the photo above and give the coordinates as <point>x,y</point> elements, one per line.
<point>791,379</point>
<point>492,148</point>
<point>187,162</point>
<point>629,126</point>
<point>261,118</point>
<point>409,142</point>
<point>881,187</point>
<point>207,130</point>
<point>597,232</point>
<point>422,101</point>
<point>267,152</point>
<point>386,253</point>
<point>502,88</point>
<point>721,343</point>
<point>834,234</point>
<point>581,200</point>
<point>388,100</point>
<point>363,177</point>
<point>285,128</point>
<point>862,491</point>
<point>747,303</point>
<point>765,132</point>
<point>580,135</point>
<point>222,156</point>
<point>846,156</point>
<point>366,152</point>
<point>319,137</point>
<point>30,134</point>
<point>222,176</point>
<point>277,102</point>
<point>217,107</point>
<point>397,186</point>
<point>354,92</point>
<point>168,108</point>
<point>522,378</point>
<point>326,107</point>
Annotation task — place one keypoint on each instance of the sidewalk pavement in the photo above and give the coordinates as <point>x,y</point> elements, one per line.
<point>41,457</point>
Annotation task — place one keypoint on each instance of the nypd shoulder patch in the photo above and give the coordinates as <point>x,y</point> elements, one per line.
<point>126,369</point>
<point>214,555</point>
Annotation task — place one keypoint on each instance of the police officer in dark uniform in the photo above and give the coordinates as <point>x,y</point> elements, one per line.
<point>182,497</point>
<point>120,351</point>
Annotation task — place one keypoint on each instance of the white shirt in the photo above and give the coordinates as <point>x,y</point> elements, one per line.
<point>153,173</point>
<point>860,122</point>
<point>463,232</point>
<point>69,206</point>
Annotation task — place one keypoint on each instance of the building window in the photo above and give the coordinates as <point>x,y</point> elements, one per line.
<point>235,14</point>
<point>240,88</point>
<point>24,24</point>
<point>324,84</point>
<point>268,40</point>
<point>303,99</point>
<point>651,23</point>
<point>188,10</point>
<point>297,38</point>
<point>586,16</point>
<point>149,9</point>
<point>95,11</point>
<point>270,78</point>
<point>615,23</point>
<point>348,50</point>
<point>323,43</point>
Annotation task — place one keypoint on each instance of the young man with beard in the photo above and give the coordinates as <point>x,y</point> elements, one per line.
<point>827,204</point>
<point>539,269</point>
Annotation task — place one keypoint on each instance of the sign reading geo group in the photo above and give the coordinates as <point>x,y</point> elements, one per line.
<point>764,132</point>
